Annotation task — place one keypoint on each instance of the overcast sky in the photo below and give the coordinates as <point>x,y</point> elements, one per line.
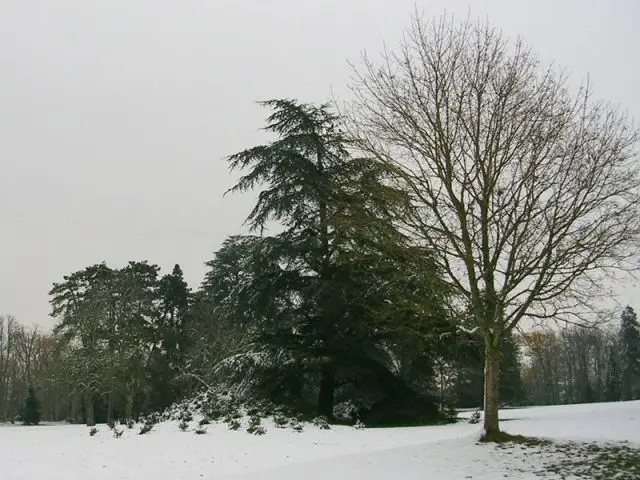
<point>115,115</point>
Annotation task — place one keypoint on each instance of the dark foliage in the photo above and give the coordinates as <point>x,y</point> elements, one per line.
<point>31,412</point>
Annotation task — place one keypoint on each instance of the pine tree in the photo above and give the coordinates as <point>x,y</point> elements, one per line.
<point>630,346</point>
<point>31,413</point>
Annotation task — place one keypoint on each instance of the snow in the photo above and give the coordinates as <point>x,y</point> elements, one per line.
<point>57,452</point>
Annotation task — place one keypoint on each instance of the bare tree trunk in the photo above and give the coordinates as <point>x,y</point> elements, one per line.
<point>491,388</point>
<point>88,409</point>
<point>110,408</point>
<point>128,412</point>
<point>327,391</point>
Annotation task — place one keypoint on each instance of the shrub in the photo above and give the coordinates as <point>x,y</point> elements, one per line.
<point>475,417</point>
<point>146,428</point>
<point>322,423</point>
<point>280,421</point>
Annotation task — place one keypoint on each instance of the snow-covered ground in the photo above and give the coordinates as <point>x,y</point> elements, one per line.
<point>58,452</point>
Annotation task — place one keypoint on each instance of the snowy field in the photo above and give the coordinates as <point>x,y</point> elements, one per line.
<point>57,452</point>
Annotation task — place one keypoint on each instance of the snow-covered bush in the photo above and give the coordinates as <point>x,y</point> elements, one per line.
<point>280,421</point>
<point>255,426</point>
<point>475,417</point>
<point>234,424</point>
<point>322,423</point>
<point>146,428</point>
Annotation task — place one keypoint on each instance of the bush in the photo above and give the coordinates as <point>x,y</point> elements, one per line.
<point>255,426</point>
<point>475,417</point>
<point>234,424</point>
<point>31,412</point>
<point>146,428</point>
<point>186,416</point>
<point>117,433</point>
<point>93,431</point>
<point>322,423</point>
<point>450,414</point>
<point>280,421</point>
<point>183,425</point>
<point>200,431</point>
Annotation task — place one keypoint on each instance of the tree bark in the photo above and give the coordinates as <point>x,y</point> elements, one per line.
<point>110,408</point>
<point>88,409</point>
<point>129,405</point>
<point>491,388</point>
<point>327,391</point>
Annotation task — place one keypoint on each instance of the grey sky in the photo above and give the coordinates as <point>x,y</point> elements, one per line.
<point>115,114</point>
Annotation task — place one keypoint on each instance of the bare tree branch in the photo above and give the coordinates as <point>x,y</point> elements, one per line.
<point>527,194</point>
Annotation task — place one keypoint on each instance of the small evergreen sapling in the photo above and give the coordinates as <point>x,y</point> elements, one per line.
<point>475,417</point>
<point>280,421</point>
<point>183,425</point>
<point>148,425</point>
<point>322,423</point>
<point>255,426</point>
<point>31,413</point>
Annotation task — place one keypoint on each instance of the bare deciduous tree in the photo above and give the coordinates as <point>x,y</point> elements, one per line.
<point>527,193</point>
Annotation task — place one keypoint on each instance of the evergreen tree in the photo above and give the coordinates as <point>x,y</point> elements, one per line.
<point>171,340</point>
<point>630,346</point>
<point>511,387</point>
<point>338,218</point>
<point>31,413</point>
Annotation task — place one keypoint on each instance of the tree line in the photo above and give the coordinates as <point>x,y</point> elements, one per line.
<point>462,189</point>
<point>543,366</point>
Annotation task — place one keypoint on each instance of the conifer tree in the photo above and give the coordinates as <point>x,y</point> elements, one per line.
<point>630,343</point>
<point>338,220</point>
<point>31,413</point>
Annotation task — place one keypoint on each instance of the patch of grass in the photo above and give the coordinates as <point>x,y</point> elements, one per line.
<point>506,438</point>
<point>588,461</point>
<point>598,461</point>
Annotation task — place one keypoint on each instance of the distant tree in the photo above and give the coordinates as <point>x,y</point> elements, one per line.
<point>511,387</point>
<point>614,375</point>
<point>630,346</point>
<point>171,339</point>
<point>526,194</point>
<point>31,411</point>
<point>82,305</point>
